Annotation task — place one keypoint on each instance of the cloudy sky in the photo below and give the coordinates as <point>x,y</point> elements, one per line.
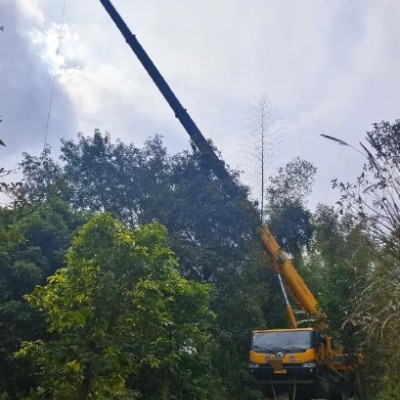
<point>329,67</point>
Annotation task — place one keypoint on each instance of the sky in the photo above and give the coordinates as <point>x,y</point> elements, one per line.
<point>328,67</point>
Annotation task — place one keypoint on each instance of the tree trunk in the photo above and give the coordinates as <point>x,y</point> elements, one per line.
<point>85,388</point>
<point>166,387</point>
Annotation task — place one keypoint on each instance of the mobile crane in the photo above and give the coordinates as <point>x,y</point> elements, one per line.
<point>295,356</point>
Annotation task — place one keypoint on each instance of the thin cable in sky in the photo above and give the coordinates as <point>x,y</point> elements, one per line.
<point>56,65</point>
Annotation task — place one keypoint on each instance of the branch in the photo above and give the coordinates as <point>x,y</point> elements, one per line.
<point>342,142</point>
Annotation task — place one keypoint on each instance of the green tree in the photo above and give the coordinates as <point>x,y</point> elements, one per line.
<point>32,242</point>
<point>123,179</point>
<point>3,173</point>
<point>286,212</point>
<point>373,201</point>
<point>42,178</point>
<point>119,306</point>
<point>337,265</point>
<point>376,193</point>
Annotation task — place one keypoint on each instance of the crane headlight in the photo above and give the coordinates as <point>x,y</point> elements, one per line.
<point>309,365</point>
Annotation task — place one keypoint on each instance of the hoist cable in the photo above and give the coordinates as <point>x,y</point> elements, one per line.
<point>56,66</point>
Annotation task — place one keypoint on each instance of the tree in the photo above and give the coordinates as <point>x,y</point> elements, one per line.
<point>42,178</point>
<point>286,212</point>
<point>123,179</point>
<point>4,186</point>
<point>376,193</point>
<point>263,146</point>
<point>90,171</point>
<point>337,265</point>
<point>373,201</point>
<point>33,240</point>
<point>119,306</point>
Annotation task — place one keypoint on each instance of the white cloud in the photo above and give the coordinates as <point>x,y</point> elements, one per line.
<point>27,83</point>
<point>30,10</point>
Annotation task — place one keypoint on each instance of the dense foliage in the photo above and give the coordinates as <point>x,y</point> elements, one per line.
<point>118,306</point>
<point>129,273</point>
<point>373,201</point>
<point>212,234</point>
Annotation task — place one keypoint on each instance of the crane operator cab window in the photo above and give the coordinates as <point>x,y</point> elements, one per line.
<point>282,341</point>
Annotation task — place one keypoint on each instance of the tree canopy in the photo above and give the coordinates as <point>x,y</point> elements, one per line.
<point>130,273</point>
<point>119,305</point>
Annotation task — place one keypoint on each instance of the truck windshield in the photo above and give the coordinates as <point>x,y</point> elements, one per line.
<point>281,341</point>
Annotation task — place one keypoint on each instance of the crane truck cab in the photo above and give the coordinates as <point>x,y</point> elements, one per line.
<point>285,354</point>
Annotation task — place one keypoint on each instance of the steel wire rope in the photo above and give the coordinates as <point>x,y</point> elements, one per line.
<point>55,71</point>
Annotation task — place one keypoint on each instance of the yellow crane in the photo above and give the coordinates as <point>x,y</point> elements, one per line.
<point>302,358</point>
<point>278,357</point>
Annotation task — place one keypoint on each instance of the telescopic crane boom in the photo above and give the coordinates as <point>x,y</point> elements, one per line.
<point>183,116</point>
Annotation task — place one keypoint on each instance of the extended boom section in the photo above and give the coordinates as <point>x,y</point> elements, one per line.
<point>283,266</point>
<point>181,113</point>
